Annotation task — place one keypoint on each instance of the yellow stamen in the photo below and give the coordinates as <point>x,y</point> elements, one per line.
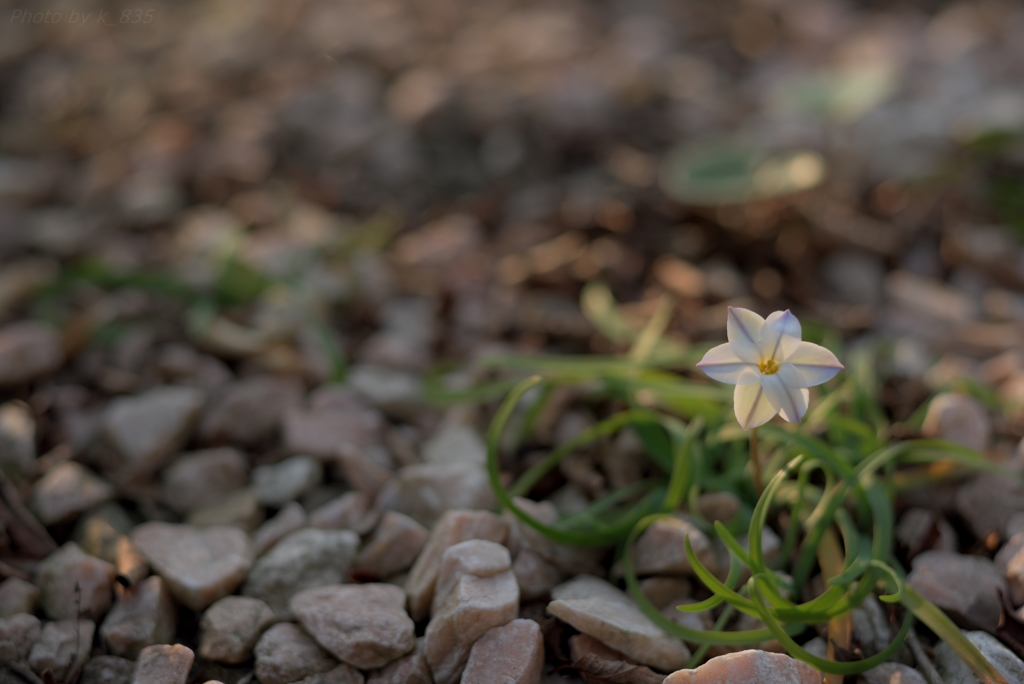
<point>768,367</point>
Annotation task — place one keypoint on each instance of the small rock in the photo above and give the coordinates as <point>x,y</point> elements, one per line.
<point>342,674</point>
<point>392,547</point>
<point>364,625</point>
<point>164,664</point>
<point>350,511</point>
<point>410,669</point>
<point>286,654</point>
<point>286,481</point>
<point>893,673</point>
<point>396,392</point>
<point>455,443</point>
<point>203,478</point>
<point>535,576</point>
<point>960,419</point>
<point>290,518</point>
<point>871,626</point>
<point>856,277</point>
<point>722,506</point>
<point>661,551</point>
<point>331,425</point>
<point>61,645</point>
<point>250,410</point>
<point>570,560</point>
<point>28,351</point>
<point>362,473</point>
<point>241,508</point>
<point>17,440</point>
<point>67,490</point>
<point>476,557</point>
<point>988,501</point>
<point>475,605</point>
<point>22,631</point>
<point>108,669</point>
<point>305,559</point>
<point>1010,564</point>
<point>17,596</point>
<point>230,628</point>
<point>953,670</point>
<point>146,429</point>
<point>665,592</point>
<point>199,566</point>
<point>597,608</point>
<point>74,584</point>
<point>425,491</point>
<point>512,654</point>
<point>748,667</point>
<point>920,529</point>
<point>452,528</point>
<point>968,587</point>
<point>142,617</point>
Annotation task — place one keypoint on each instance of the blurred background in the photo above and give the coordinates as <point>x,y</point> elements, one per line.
<point>295,186</point>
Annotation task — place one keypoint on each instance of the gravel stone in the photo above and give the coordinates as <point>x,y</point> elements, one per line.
<point>67,490</point>
<point>17,596</point>
<point>967,587</point>
<point>22,631</point>
<point>475,605</point>
<point>363,625</point>
<point>392,548</point>
<point>362,473</point>
<point>893,673</point>
<point>535,576</point>
<point>989,501</point>
<point>1010,564</point>
<point>410,669</point>
<point>60,646</point>
<point>28,350</point>
<point>606,613</point>
<point>512,654</point>
<point>286,481</point>
<point>250,410</point>
<point>290,518</point>
<point>286,654</point>
<point>960,419</point>
<point>331,423</point>
<point>748,667</point>
<point>452,528</point>
<point>230,628</point>
<point>455,443</point>
<point>660,549</point>
<point>342,674</point>
<point>17,440</point>
<point>143,616</point>
<point>72,583</point>
<point>350,511</point>
<point>425,491</point>
<point>164,664</point>
<point>146,429</point>
<point>570,560</point>
<point>476,557</point>
<point>202,478</point>
<point>108,669</point>
<point>305,559</point>
<point>199,566</point>
<point>953,670</point>
<point>241,508</point>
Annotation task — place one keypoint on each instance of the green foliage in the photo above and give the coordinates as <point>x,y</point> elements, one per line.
<point>837,470</point>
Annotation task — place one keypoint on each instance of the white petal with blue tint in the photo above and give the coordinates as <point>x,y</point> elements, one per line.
<point>814,363</point>
<point>752,406</point>
<point>780,336</point>
<point>743,328</point>
<point>722,364</point>
<point>788,400</point>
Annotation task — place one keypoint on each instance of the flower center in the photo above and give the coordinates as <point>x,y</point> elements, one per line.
<point>768,367</point>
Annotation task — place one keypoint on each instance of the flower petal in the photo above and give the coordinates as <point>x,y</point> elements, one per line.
<point>722,364</point>
<point>780,336</point>
<point>752,406</point>
<point>805,393</point>
<point>814,363</point>
<point>743,328</point>
<point>787,399</point>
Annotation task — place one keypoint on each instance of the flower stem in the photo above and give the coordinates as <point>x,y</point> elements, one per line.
<point>755,463</point>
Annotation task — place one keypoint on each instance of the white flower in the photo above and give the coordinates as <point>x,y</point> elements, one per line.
<point>770,366</point>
